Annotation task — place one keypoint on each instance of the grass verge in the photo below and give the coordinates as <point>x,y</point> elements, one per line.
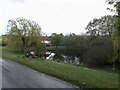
<point>83,77</point>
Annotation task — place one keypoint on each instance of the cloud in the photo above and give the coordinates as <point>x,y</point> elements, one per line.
<point>17,1</point>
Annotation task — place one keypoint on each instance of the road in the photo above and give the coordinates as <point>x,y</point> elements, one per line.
<point>15,75</point>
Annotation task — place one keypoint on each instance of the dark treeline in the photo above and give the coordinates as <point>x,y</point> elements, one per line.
<point>91,51</point>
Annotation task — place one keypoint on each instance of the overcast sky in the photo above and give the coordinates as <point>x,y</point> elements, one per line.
<point>54,16</point>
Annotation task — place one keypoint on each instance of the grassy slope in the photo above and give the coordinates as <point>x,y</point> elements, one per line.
<point>83,77</point>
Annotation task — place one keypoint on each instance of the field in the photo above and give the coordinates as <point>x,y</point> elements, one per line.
<point>80,76</point>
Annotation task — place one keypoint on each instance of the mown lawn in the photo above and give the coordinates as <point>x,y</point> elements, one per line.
<point>83,77</point>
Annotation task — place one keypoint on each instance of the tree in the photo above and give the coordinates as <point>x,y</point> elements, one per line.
<point>4,40</point>
<point>103,26</point>
<point>24,36</point>
<point>75,46</point>
<point>99,52</point>
<point>80,46</point>
<point>68,43</point>
<point>92,27</point>
<point>56,39</point>
<point>116,34</point>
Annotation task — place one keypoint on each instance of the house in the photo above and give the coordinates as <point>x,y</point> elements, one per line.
<point>46,41</point>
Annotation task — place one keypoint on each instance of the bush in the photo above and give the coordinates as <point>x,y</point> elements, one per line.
<point>99,52</point>
<point>3,40</point>
<point>3,44</point>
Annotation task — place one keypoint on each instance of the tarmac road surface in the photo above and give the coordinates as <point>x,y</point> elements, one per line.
<point>15,75</point>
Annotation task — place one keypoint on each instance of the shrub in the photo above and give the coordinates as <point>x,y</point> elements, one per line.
<point>99,52</point>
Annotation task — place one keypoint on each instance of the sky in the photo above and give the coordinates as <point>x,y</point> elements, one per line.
<point>54,16</point>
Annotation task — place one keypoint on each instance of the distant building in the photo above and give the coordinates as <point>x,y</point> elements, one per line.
<point>46,42</point>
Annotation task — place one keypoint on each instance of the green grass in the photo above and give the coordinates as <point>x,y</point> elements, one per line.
<point>83,77</point>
